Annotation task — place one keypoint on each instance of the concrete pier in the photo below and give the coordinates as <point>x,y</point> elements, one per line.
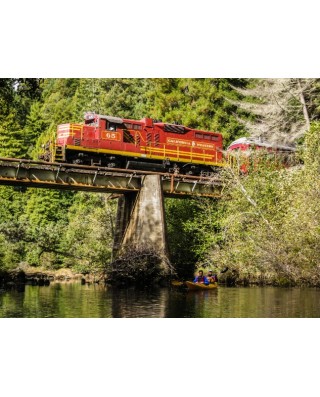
<point>141,221</point>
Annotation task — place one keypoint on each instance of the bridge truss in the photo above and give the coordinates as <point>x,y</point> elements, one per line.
<point>41,174</point>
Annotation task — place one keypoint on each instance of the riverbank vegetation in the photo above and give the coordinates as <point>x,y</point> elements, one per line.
<point>266,226</point>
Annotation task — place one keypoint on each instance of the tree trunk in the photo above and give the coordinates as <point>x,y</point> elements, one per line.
<point>304,106</point>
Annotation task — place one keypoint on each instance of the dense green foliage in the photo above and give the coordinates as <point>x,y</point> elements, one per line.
<point>266,227</point>
<point>269,221</point>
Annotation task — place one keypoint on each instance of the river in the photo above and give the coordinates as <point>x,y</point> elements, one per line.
<point>74,300</point>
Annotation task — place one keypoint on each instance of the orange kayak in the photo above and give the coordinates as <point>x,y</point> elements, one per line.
<point>196,286</point>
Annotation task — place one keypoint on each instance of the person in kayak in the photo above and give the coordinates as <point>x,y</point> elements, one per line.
<point>212,278</point>
<point>201,279</point>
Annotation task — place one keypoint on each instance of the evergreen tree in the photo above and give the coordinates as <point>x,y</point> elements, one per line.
<point>11,138</point>
<point>58,104</point>
<point>16,96</point>
<point>35,126</point>
<point>125,98</point>
<point>6,97</point>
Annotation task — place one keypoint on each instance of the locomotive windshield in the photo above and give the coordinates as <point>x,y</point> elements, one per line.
<point>89,118</point>
<point>90,122</point>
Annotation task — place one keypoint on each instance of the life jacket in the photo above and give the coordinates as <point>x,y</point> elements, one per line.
<point>200,279</point>
<point>213,278</point>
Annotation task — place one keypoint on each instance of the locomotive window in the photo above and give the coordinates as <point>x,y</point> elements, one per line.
<point>176,129</point>
<point>207,137</point>
<point>136,126</point>
<point>90,122</point>
<point>127,137</point>
<point>199,136</point>
<point>214,137</point>
<point>111,126</point>
<point>128,125</point>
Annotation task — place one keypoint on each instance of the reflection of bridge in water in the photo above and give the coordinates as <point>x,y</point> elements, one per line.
<point>140,217</point>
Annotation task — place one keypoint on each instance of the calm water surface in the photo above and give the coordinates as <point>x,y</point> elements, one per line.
<point>86,301</point>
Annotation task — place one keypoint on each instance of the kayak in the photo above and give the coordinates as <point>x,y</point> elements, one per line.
<point>196,286</point>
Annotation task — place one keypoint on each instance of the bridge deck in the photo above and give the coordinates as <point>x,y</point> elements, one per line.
<point>29,173</point>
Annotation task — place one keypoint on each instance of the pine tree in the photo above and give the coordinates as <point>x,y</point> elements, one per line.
<point>16,96</point>
<point>35,126</point>
<point>57,99</point>
<point>11,137</point>
<point>125,98</point>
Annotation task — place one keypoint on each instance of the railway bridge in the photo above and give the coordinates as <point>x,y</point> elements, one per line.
<point>140,214</point>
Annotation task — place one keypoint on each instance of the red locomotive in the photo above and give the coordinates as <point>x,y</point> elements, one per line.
<point>247,151</point>
<point>137,144</point>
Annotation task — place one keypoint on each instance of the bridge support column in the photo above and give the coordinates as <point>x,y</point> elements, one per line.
<point>141,226</point>
<point>125,205</point>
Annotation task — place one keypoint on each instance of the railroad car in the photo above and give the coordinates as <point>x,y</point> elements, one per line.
<point>137,144</point>
<point>246,152</point>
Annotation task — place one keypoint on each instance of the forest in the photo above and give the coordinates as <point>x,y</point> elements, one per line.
<point>266,226</point>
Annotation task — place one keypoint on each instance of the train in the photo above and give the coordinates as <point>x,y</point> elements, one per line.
<point>146,144</point>
<point>248,152</point>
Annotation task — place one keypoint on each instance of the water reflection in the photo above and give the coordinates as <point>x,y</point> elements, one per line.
<point>190,304</point>
<point>139,302</point>
<point>87,301</point>
<point>56,300</point>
